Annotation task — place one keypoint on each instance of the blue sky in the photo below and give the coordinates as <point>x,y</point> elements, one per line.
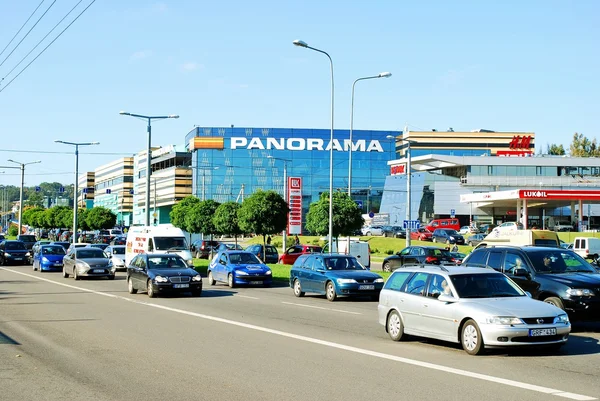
<point>511,65</point>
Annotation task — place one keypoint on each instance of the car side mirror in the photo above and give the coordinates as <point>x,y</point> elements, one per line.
<point>447,298</point>
<point>520,272</point>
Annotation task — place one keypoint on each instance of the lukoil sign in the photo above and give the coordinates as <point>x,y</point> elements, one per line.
<point>360,145</point>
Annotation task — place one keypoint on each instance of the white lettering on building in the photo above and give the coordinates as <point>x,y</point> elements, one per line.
<point>360,145</point>
<point>534,194</point>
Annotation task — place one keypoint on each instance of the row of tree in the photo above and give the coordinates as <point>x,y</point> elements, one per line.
<point>264,213</point>
<point>34,196</point>
<point>581,146</point>
<point>96,218</point>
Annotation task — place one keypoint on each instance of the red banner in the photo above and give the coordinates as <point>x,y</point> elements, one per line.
<point>294,195</point>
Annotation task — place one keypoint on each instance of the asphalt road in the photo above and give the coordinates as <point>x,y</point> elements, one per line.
<point>62,339</point>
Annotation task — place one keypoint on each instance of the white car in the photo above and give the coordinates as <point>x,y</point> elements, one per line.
<point>464,230</point>
<point>508,226</point>
<point>475,307</point>
<point>372,230</point>
<point>116,253</point>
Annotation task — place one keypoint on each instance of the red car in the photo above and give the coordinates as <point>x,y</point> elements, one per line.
<point>421,234</point>
<point>292,253</point>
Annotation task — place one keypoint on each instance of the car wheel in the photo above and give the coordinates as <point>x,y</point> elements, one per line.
<point>75,274</point>
<point>198,255</point>
<point>395,327</point>
<point>65,274</point>
<point>330,291</point>
<point>433,239</point>
<point>368,233</point>
<point>211,280</point>
<point>298,289</point>
<point>150,290</point>
<point>555,301</point>
<point>471,339</point>
<point>470,243</point>
<point>230,280</point>
<point>386,267</point>
<point>130,287</point>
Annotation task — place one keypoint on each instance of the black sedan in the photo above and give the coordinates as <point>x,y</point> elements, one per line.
<point>417,255</point>
<point>162,273</point>
<point>13,252</point>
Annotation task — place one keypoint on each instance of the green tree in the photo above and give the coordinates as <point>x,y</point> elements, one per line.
<point>583,147</point>
<point>38,218</point>
<point>35,199</point>
<point>263,213</point>
<point>98,218</point>
<point>181,209</point>
<point>226,219</point>
<point>82,223</point>
<point>54,216</point>
<point>347,216</point>
<point>27,215</point>
<point>554,149</point>
<point>199,218</point>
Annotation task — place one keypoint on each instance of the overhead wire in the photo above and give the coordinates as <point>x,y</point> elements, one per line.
<point>45,48</point>
<point>44,38</point>
<point>64,152</point>
<point>27,34</point>
<point>20,29</point>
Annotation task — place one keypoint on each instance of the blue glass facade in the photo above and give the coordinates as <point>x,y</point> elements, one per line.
<point>230,161</point>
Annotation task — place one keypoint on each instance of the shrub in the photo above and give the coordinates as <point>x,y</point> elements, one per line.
<point>389,252</point>
<point>13,231</point>
<point>374,250</point>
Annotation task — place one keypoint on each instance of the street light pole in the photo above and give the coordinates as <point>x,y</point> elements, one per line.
<point>303,44</point>
<point>285,194</point>
<point>76,187</point>
<point>148,153</point>
<point>408,188</point>
<point>22,166</point>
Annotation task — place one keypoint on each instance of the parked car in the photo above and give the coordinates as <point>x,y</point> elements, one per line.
<point>27,239</point>
<point>13,252</point>
<point>421,234</point>
<point>447,236</point>
<point>416,255</point>
<point>202,248</point>
<point>333,275</point>
<point>474,307</point>
<point>162,273</point>
<point>508,226</point>
<point>452,223</point>
<point>372,230</point>
<point>119,240</point>
<point>475,239</point>
<point>457,257</point>
<point>486,228</point>
<point>239,268</point>
<point>553,275</point>
<point>464,230</point>
<point>292,253</point>
<point>228,246</point>
<point>272,256</point>
<point>116,253</point>
<point>394,232</point>
<point>563,226</point>
<point>48,258</point>
<point>87,262</point>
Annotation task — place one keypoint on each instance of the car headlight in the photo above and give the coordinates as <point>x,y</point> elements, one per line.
<point>161,279</point>
<point>45,259</point>
<point>268,272</point>
<point>379,280</point>
<point>82,265</point>
<point>190,262</point>
<point>241,273</point>
<point>7,254</point>
<point>28,254</point>
<point>564,318</point>
<point>580,292</point>
<point>197,277</point>
<point>503,320</point>
<point>345,280</point>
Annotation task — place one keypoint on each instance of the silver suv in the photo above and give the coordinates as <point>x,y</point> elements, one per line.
<point>476,307</point>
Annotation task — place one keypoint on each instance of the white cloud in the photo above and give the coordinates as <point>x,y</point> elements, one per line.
<point>191,66</point>
<point>140,55</point>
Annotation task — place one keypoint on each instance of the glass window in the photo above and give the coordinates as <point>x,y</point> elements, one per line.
<point>150,245</point>
<point>397,280</point>
<point>478,258</point>
<point>438,285</point>
<point>513,261</point>
<point>495,260</point>
<point>416,285</point>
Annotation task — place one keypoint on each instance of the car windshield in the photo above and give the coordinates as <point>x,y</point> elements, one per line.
<point>118,251</point>
<point>557,261</point>
<point>15,246</point>
<point>166,262</point>
<point>244,258</point>
<point>342,263</point>
<point>27,238</point>
<point>90,253</point>
<point>53,250</point>
<point>451,232</point>
<point>170,243</point>
<point>485,285</point>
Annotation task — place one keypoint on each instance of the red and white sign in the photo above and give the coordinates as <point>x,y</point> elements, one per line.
<point>294,195</point>
<point>559,194</point>
<point>398,169</point>
<point>520,142</point>
<point>514,153</point>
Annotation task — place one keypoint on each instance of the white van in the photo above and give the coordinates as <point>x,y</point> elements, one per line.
<point>521,238</point>
<point>587,247</point>
<point>164,238</point>
<point>359,249</point>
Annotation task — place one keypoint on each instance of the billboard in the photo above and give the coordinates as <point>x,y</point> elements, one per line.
<point>294,196</point>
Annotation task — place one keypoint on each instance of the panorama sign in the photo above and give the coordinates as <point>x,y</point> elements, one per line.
<point>361,145</point>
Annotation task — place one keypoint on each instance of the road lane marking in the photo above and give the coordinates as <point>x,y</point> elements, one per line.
<point>322,308</point>
<point>245,296</point>
<point>362,351</point>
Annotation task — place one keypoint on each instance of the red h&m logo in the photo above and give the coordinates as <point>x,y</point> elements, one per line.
<point>398,169</point>
<point>519,142</point>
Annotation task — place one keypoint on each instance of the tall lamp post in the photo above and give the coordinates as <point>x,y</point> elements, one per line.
<point>22,166</point>
<point>408,188</point>
<point>300,43</point>
<point>285,196</point>
<point>148,154</point>
<point>76,189</point>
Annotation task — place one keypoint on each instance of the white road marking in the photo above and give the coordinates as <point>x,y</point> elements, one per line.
<point>362,351</point>
<point>245,296</point>
<point>322,308</point>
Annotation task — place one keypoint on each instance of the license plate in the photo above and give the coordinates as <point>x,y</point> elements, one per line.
<point>542,332</point>
<point>366,287</point>
<point>58,264</point>
<point>181,286</point>
<point>98,270</point>
<point>256,282</point>
<point>18,258</point>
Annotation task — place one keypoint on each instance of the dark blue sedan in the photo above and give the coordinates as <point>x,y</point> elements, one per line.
<point>333,275</point>
<point>239,268</point>
<point>48,258</point>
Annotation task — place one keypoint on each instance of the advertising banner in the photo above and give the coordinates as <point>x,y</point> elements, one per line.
<point>294,195</point>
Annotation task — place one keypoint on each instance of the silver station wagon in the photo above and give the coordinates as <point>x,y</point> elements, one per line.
<point>476,307</point>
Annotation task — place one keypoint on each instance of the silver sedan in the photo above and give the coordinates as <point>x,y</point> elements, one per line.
<point>87,262</point>
<point>475,307</point>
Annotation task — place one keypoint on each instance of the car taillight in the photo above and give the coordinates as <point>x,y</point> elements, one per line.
<point>430,259</point>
